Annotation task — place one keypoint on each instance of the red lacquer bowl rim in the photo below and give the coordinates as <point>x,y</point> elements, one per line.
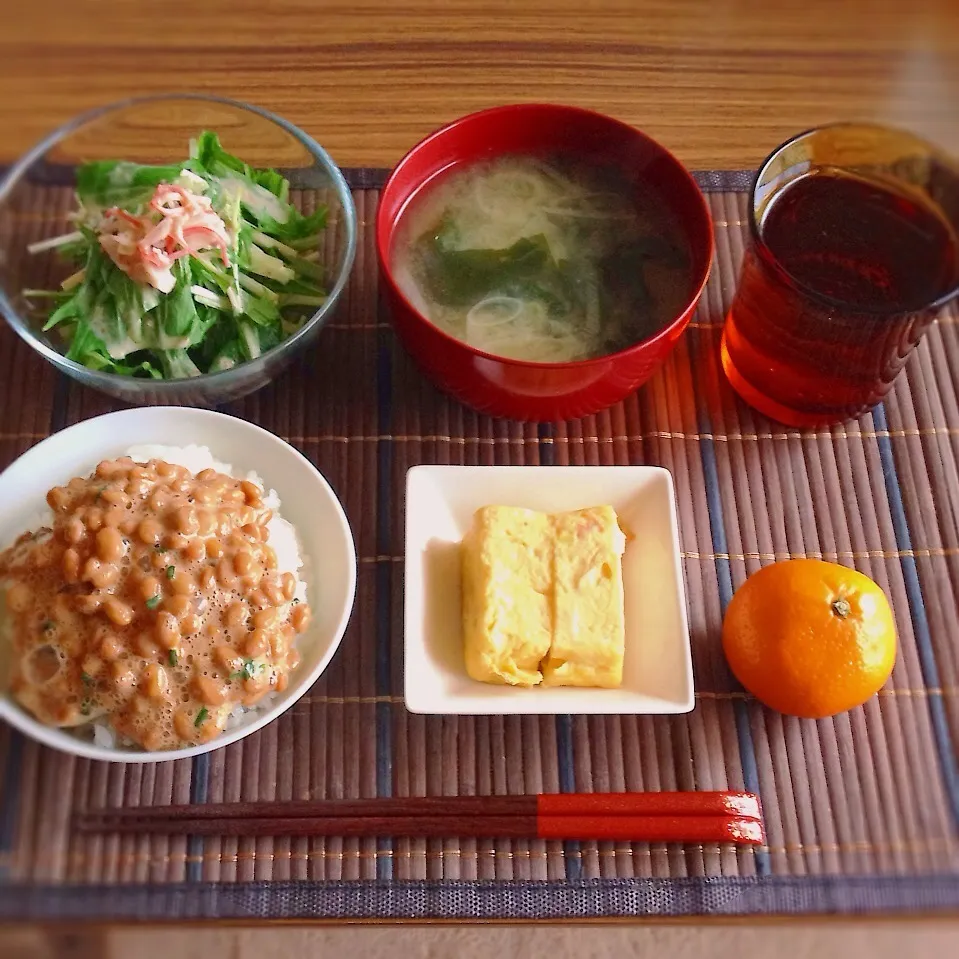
<point>385,231</point>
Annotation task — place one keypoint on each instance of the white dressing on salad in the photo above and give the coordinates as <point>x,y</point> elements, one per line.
<point>117,346</point>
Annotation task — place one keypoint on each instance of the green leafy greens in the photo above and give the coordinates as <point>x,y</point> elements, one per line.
<point>459,277</point>
<point>217,314</point>
<point>248,670</point>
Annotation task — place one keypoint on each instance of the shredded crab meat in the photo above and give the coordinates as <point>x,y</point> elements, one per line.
<point>178,223</point>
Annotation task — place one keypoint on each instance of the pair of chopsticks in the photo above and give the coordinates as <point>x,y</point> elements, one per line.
<point>690,817</point>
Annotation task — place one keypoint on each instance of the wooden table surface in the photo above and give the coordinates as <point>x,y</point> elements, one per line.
<point>719,83</point>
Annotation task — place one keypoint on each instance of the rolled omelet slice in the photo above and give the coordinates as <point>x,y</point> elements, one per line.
<point>507,603</point>
<point>589,635</point>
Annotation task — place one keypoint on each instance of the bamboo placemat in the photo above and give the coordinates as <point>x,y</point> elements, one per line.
<point>861,810</point>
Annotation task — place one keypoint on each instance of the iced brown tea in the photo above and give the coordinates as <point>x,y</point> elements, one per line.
<point>848,267</point>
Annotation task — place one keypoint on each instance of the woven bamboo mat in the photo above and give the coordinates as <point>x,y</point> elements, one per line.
<point>861,810</point>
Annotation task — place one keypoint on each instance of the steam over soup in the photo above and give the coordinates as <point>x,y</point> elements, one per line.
<point>542,262</point>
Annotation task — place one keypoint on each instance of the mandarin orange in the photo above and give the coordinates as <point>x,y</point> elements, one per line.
<point>810,638</point>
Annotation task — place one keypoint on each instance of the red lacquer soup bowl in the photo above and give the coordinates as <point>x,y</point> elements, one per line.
<point>516,388</point>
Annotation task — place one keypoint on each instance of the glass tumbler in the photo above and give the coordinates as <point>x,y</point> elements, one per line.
<point>854,252</point>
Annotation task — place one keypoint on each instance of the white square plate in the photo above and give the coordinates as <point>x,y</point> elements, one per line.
<point>440,503</point>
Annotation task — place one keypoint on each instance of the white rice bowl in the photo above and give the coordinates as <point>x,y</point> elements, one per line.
<point>318,516</point>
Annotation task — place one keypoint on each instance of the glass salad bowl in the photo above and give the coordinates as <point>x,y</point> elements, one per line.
<point>191,272</point>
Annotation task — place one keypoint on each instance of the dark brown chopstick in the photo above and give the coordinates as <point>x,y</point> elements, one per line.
<point>744,805</point>
<point>664,816</point>
<point>635,828</point>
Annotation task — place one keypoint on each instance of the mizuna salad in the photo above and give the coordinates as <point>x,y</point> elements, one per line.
<point>183,269</point>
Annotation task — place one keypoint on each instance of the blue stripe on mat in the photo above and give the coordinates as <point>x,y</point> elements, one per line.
<point>199,783</point>
<point>717,526</point>
<point>384,574</point>
<point>917,613</point>
<point>10,798</point>
<point>199,790</point>
<point>717,529</point>
<point>516,899</point>
<point>572,849</point>
<point>544,432</point>
<point>10,801</point>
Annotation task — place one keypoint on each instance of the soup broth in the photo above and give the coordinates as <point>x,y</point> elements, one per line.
<point>541,261</point>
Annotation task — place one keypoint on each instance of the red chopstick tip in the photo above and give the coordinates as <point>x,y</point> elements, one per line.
<point>747,831</point>
<point>706,803</point>
<point>644,828</point>
<point>744,804</point>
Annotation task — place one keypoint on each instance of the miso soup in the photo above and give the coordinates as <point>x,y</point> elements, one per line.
<point>542,261</point>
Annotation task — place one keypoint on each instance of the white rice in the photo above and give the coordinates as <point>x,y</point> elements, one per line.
<point>282,538</point>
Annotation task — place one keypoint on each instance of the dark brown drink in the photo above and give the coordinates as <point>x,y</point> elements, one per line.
<point>846,273</point>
